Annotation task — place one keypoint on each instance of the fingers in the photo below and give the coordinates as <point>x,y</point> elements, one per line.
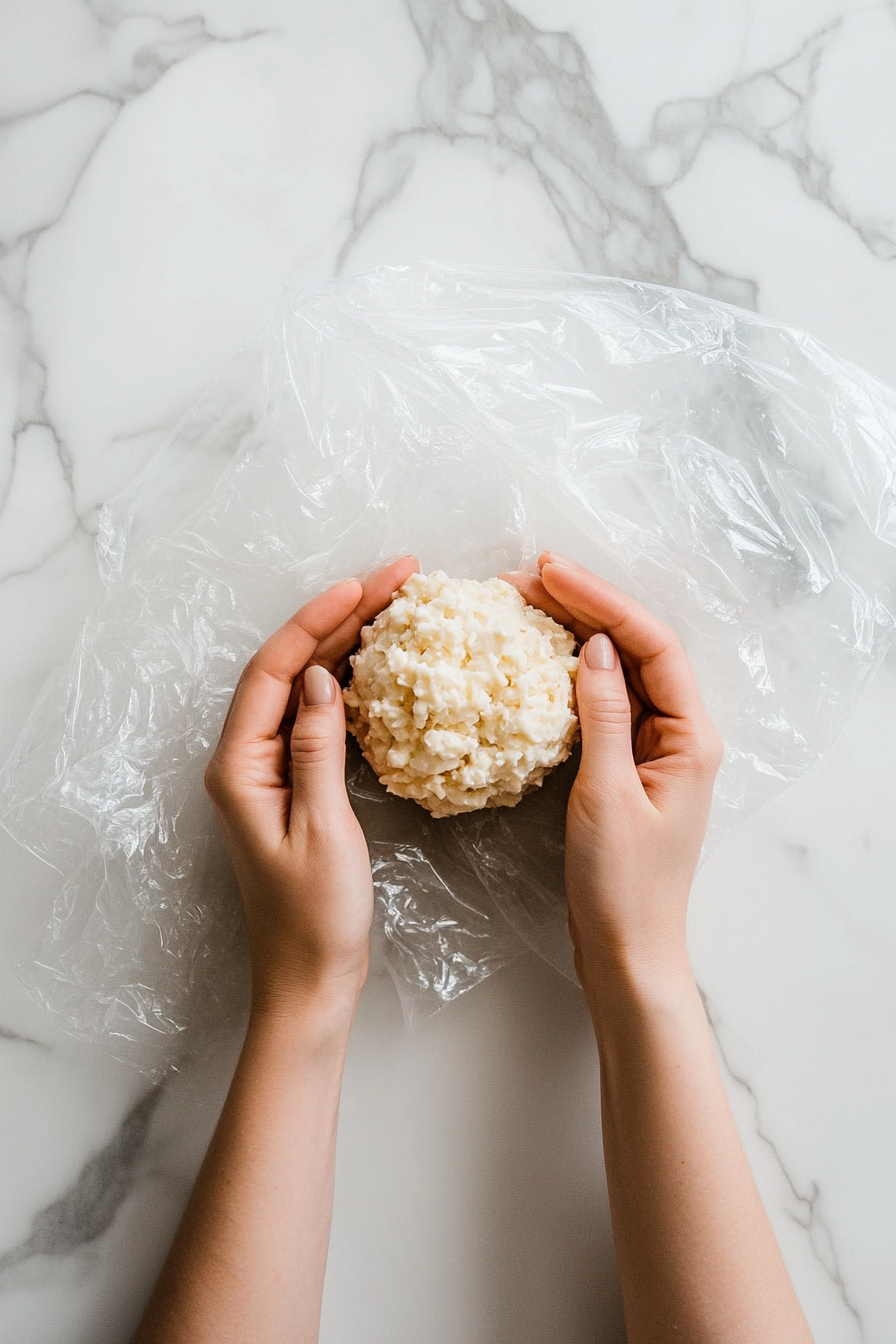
<point>604,711</point>
<point>532,590</point>
<point>317,748</point>
<point>602,695</point>
<point>645,644</point>
<point>326,628</point>
<point>262,695</point>
<point>376,594</point>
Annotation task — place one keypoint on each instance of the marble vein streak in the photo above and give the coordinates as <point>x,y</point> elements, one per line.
<point>140,50</point>
<point>7,1035</point>
<point>806,1212</point>
<point>87,1209</point>
<point>495,80</point>
<point>772,110</point>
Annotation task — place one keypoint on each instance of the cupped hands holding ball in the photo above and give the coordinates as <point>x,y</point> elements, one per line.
<point>697,1257</point>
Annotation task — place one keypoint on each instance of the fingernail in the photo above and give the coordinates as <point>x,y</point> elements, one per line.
<point>553,558</point>
<point>318,687</point>
<point>599,653</point>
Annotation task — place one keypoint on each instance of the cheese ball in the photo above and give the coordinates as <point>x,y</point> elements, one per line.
<point>462,696</point>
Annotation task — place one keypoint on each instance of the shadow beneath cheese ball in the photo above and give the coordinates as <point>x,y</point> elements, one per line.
<point>460,897</point>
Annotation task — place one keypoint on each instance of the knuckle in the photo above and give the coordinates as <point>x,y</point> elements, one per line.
<point>708,749</point>
<point>218,780</point>
<point>600,797</point>
<point>308,745</point>
<point>716,749</point>
<point>213,777</point>
<point>321,828</point>
<point>607,712</point>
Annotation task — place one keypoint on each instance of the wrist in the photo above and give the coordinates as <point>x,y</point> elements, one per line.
<point>313,1003</point>
<point>638,1009</point>
<point>635,982</point>
<point>290,1044</point>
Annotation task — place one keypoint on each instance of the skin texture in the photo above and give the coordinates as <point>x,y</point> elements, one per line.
<point>698,1261</point>
<point>248,1260</point>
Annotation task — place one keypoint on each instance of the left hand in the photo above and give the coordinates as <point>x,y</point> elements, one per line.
<point>639,806</point>
<point>277,782</point>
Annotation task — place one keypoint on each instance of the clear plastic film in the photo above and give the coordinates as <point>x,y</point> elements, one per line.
<point>734,475</point>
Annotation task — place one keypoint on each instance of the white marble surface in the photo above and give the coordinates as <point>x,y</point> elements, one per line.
<point>163,165</point>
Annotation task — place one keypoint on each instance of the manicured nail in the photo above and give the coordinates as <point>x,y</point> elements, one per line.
<point>553,558</point>
<point>599,653</point>
<point>318,687</point>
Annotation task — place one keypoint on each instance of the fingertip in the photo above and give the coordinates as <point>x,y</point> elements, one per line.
<point>555,558</point>
<point>405,567</point>
<point>318,687</point>
<point>529,586</point>
<point>352,588</point>
<point>408,561</point>
<point>377,585</point>
<point>600,653</point>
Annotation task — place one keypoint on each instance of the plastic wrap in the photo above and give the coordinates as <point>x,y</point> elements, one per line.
<point>736,476</point>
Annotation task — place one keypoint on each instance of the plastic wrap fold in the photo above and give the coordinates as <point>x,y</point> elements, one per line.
<point>736,476</point>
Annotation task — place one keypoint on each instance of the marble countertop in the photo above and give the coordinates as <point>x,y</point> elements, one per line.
<point>163,166</point>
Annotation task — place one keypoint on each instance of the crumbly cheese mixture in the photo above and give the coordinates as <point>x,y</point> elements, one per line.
<point>462,696</point>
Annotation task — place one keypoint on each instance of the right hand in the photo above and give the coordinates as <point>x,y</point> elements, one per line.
<point>639,806</point>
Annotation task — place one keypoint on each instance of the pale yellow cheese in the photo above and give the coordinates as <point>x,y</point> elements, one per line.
<point>462,696</point>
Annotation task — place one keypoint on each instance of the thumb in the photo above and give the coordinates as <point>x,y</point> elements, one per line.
<point>317,745</point>
<point>604,711</point>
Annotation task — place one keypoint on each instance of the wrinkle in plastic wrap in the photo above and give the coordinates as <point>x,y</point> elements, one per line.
<point>736,476</point>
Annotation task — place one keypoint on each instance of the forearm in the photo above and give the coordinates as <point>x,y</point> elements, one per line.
<point>249,1257</point>
<point>698,1259</point>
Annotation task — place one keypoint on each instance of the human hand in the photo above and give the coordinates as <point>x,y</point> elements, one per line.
<point>639,806</point>
<point>276,779</point>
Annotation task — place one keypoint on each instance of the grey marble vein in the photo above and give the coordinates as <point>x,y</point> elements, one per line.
<point>33,414</point>
<point>772,110</point>
<point>25,571</point>
<point>21,427</point>
<point>808,1214</point>
<point>6,1034</point>
<point>40,109</point>
<point>530,94</point>
<point>173,42</point>
<point>88,1207</point>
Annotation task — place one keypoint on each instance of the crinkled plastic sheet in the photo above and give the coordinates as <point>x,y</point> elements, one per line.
<point>735,475</point>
